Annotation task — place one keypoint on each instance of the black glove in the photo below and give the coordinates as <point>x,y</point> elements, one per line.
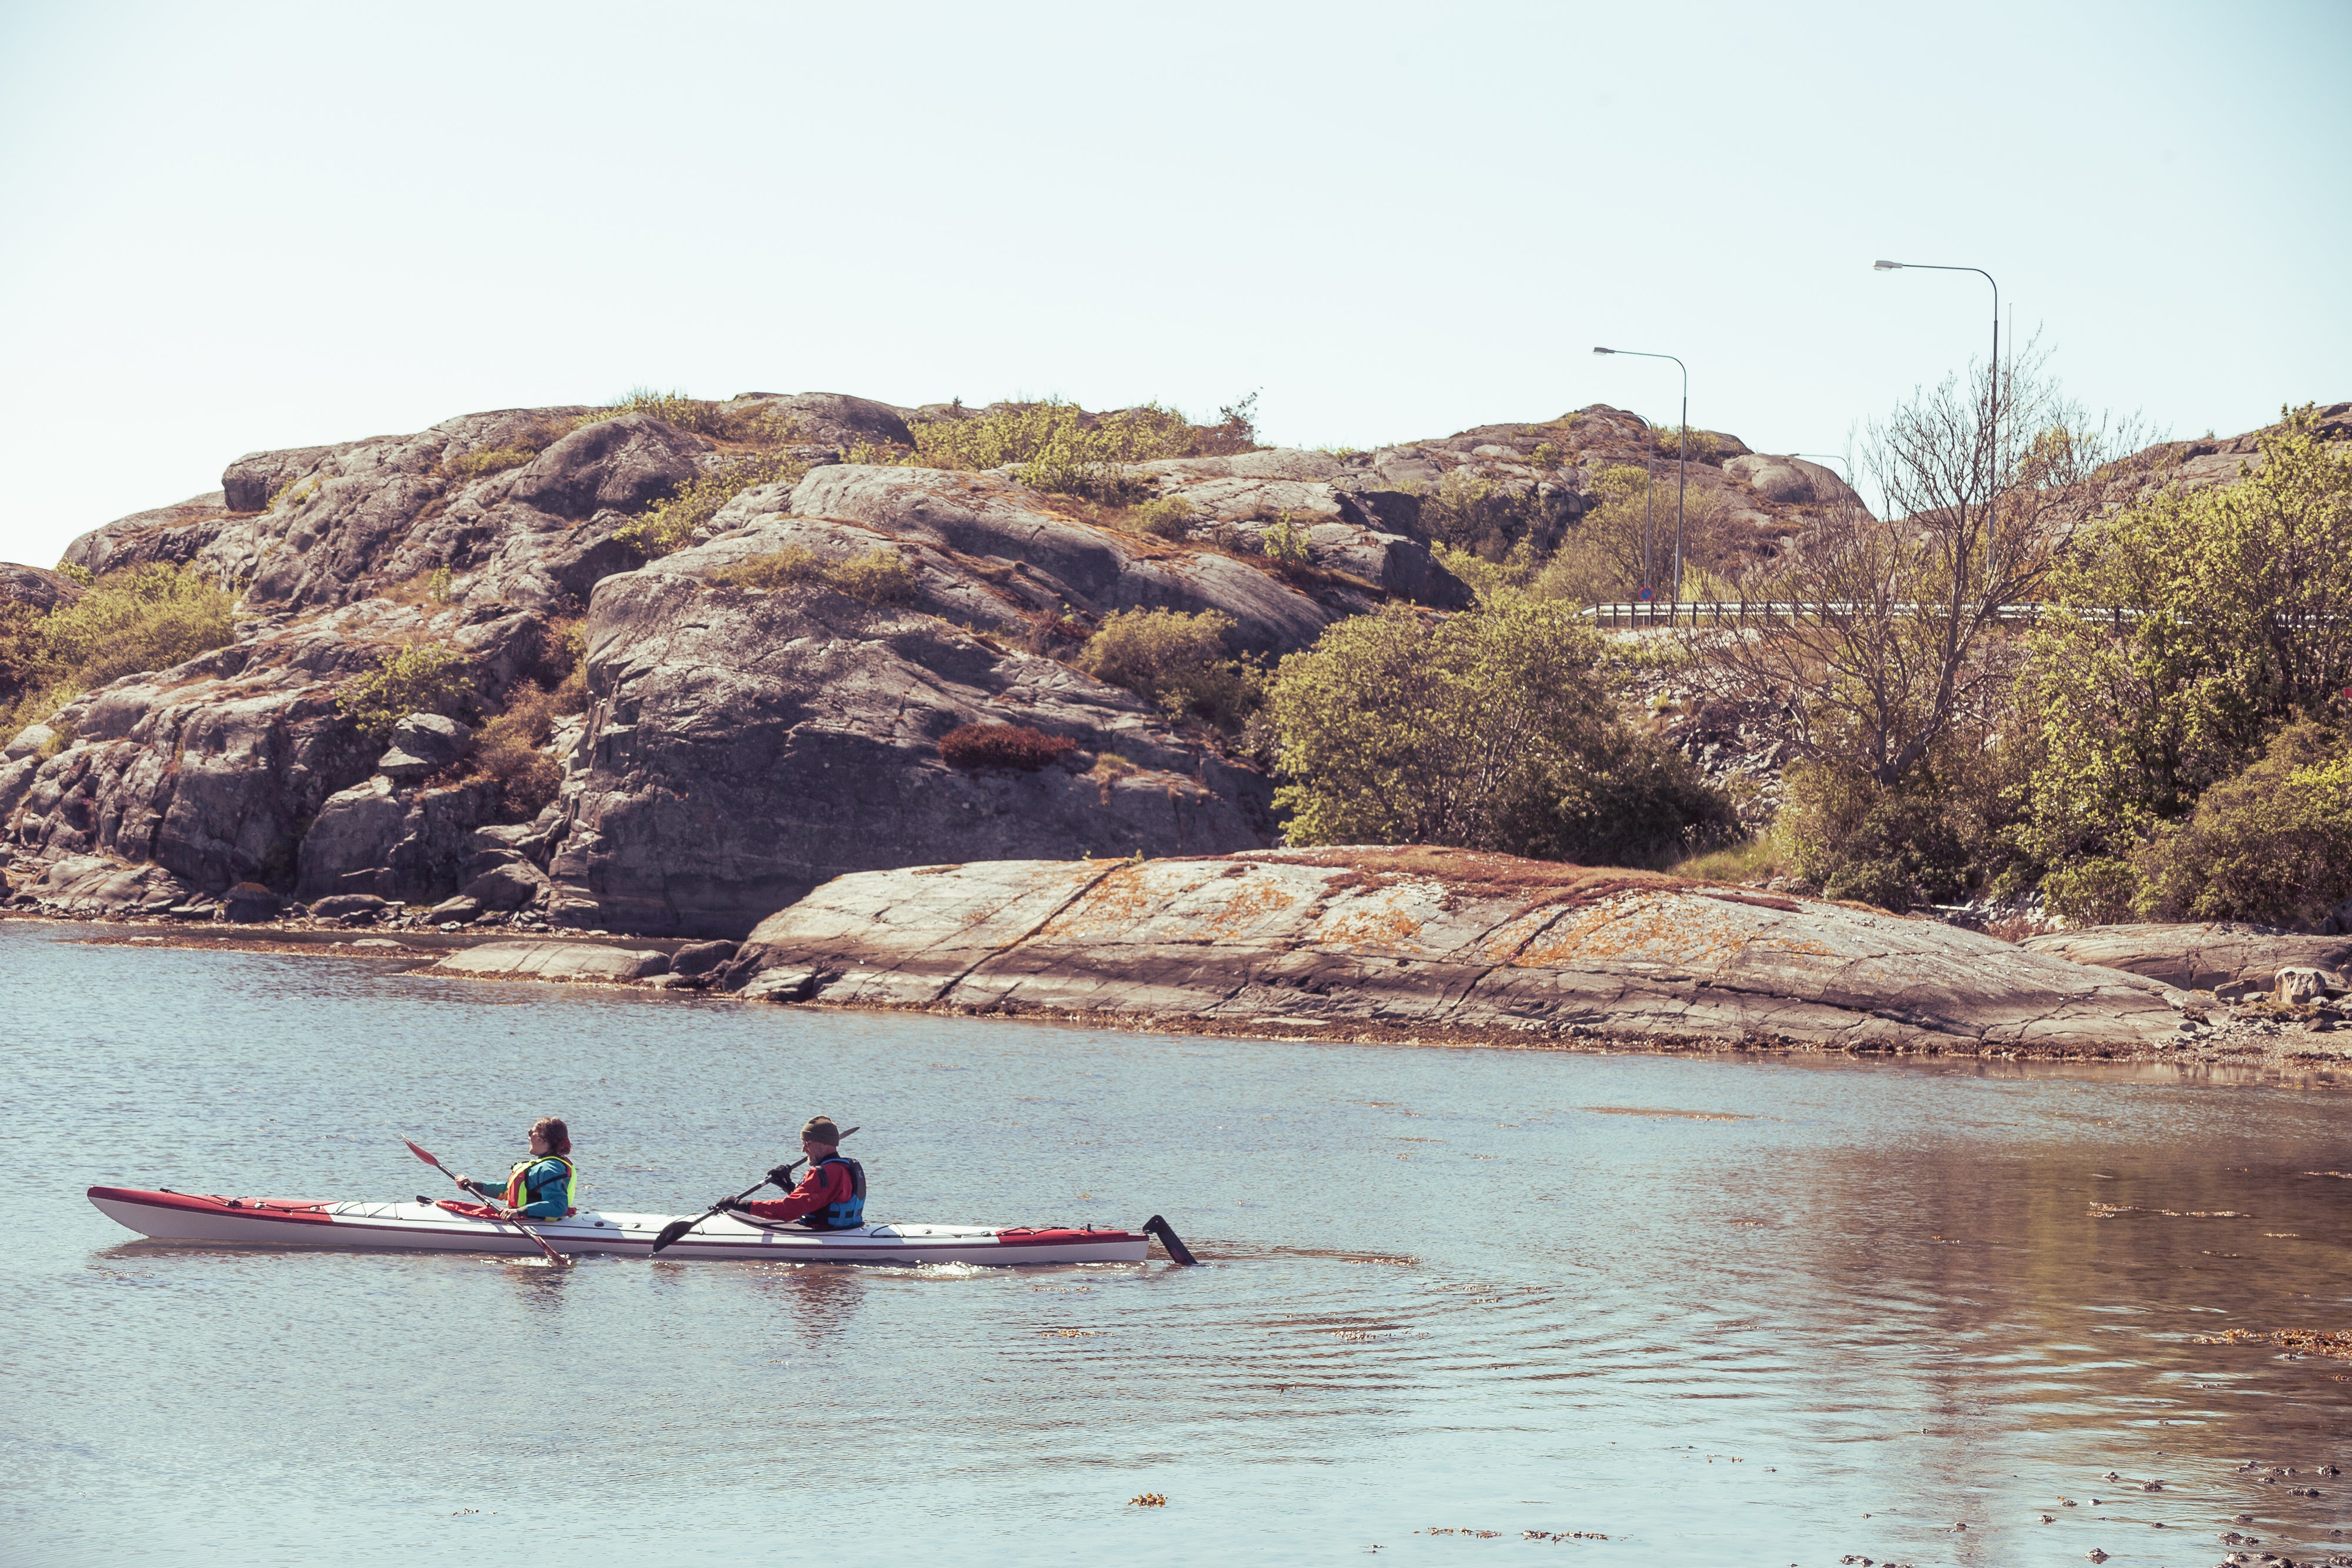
<point>783,1176</point>
<point>724,1204</point>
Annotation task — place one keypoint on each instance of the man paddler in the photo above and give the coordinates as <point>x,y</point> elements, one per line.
<point>544,1186</point>
<point>831,1197</point>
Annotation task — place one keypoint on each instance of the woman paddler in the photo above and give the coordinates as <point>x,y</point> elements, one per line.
<point>540,1187</point>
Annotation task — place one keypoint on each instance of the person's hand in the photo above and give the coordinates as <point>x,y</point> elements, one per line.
<point>468,1183</point>
<point>725,1204</point>
<point>783,1176</point>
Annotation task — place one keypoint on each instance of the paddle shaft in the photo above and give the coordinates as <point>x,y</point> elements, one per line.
<point>510,1216</point>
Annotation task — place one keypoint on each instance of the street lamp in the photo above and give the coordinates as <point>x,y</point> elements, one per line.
<point>1992,453</point>
<point>1682,466</point>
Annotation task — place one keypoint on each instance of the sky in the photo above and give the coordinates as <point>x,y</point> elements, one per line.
<point>230,227</point>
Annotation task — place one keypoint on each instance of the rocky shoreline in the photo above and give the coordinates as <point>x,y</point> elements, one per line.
<point>1423,947</point>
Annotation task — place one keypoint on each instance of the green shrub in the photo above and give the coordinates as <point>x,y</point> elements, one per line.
<point>141,617</point>
<point>1494,730</point>
<point>1059,446</point>
<point>496,460</point>
<point>878,577</point>
<point>757,426</point>
<point>2273,845</point>
<point>509,751</point>
<point>667,525</point>
<point>1854,838</point>
<point>1284,543</point>
<point>427,678</point>
<point>1166,517</point>
<point>1177,661</point>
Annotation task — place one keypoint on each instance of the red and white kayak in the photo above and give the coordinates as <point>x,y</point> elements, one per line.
<point>429,1228</point>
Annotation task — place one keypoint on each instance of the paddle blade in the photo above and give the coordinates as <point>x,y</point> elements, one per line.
<point>1178,1253</point>
<point>674,1230</point>
<point>424,1155</point>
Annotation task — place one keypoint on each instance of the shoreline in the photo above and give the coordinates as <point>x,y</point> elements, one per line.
<point>2275,1064</point>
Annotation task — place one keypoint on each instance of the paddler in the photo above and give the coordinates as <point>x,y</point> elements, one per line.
<point>831,1197</point>
<point>542,1187</point>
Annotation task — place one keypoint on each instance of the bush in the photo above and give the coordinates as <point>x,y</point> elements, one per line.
<point>1177,661</point>
<point>1633,798</point>
<point>141,617</point>
<point>972,746</point>
<point>1490,729</point>
<point>496,460</point>
<point>757,426</point>
<point>427,678</point>
<point>1853,839</point>
<point>2273,845</point>
<point>1284,543</point>
<point>1167,518</point>
<point>509,751</point>
<point>667,525</point>
<point>878,577</point>
<point>1057,445</point>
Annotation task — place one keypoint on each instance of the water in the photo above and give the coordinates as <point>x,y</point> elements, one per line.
<point>1719,1312</point>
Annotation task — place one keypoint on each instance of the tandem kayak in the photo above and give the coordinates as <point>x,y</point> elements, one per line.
<point>430,1227</point>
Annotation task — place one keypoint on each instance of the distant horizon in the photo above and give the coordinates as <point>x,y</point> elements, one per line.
<point>1410,225</point>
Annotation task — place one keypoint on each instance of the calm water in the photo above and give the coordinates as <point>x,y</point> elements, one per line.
<point>1721,1312</point>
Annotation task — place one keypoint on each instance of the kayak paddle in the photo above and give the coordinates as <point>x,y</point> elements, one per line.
<point>496,1212</point>
<point>675,1229</point>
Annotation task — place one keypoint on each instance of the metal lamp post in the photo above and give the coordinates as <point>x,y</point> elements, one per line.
<point>1682,464</point>
<point>1992,453</point>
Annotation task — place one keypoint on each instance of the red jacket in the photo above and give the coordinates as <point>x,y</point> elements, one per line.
<point>828,1183</point>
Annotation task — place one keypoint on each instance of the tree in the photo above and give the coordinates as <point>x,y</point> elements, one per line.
<point>1881,638</point>
<point>1492,728</point>
<point>2187,630</point>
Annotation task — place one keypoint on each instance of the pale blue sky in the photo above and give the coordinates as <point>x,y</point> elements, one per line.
<point>237,226</point>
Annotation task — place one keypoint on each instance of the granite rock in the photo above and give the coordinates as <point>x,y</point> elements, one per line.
<point>1444,940</point>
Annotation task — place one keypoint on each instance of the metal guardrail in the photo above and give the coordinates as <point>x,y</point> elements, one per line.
<point>1742,612</point>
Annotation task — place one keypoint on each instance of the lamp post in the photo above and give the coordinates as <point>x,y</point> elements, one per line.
<point>1992,452</point>
<point>1682,464</point>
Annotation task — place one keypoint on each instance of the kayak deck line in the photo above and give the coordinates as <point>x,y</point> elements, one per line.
<point>164,1216</point>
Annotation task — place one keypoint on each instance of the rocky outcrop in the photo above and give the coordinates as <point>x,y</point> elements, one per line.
<point>1444,941</point>
<point>2206,957</point>
<point>553,961</point>
<point>741,745</point>
<point>748,743</point>
<point>36,589</point>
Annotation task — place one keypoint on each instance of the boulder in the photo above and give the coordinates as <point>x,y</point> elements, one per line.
<point>249,903</point>
<point>2294,988</point>
<point>1443,940</point>
<point>2197,957</point>
<point>348,907</point>
<point>1774,478</point>
<point>425,743</point>
<point>622,465</point>
<point>36,589</point>
<point>553,961</point>
<point>701,957</point>
<point>461,909</point>
<point>503,880</point>
<point>101,887</point>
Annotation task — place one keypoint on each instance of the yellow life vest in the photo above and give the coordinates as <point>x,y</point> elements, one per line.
<point>516,1195</point>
